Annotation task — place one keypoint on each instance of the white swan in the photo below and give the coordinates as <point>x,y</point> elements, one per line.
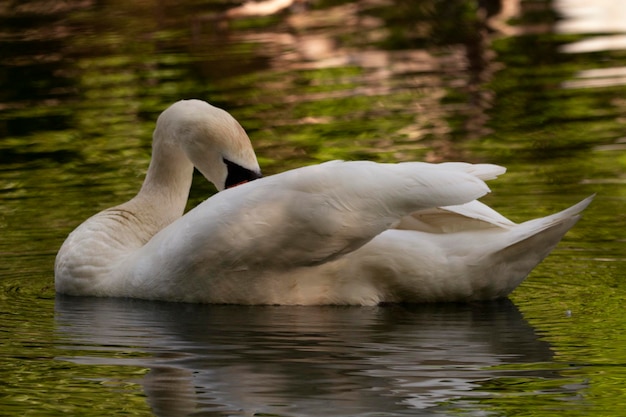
<point>336,233</point>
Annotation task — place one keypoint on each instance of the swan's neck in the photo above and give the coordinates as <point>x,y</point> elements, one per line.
<point>165,190</point>
<point>99,247</point>
<point>160,201</point>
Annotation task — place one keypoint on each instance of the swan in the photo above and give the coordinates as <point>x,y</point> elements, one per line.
<point>358,233</point>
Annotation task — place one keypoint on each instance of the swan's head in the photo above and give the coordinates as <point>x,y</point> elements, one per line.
<point>212,139</point>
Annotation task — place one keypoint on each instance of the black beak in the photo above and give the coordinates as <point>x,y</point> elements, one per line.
<point>238,175</point>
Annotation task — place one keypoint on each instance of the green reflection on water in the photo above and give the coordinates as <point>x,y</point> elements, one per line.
<point>48,386</point>
<point>37,380</point>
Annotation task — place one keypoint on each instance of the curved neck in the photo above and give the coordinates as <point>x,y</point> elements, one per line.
<point>100,247</point>
<point>165,190</point>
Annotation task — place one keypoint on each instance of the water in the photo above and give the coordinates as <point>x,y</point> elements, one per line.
<point>226,360</point>
<point>83,82</point>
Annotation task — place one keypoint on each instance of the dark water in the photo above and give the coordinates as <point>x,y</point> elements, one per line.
<point>537,86</point>
<point>226,360</point>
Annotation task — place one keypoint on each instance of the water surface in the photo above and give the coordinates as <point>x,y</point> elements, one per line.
<point>537,86</point>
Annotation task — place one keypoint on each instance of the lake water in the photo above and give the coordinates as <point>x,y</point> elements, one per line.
<point>537,86</point>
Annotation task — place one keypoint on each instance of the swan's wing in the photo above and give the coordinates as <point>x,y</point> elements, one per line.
<point>311,215</point>
<point>469,216</point>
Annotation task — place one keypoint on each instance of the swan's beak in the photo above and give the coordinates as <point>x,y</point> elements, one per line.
<point>238,175</point>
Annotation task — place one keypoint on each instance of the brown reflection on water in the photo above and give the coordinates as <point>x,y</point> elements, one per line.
<point>421,69</point>
<point>351,35</point>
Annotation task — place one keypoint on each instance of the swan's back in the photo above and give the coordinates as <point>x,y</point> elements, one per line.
<point>298,219</point>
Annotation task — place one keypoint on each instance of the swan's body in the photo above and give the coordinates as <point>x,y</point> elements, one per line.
<point>335,233</point>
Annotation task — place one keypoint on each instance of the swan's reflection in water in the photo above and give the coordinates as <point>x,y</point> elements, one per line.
<point>339,361</point>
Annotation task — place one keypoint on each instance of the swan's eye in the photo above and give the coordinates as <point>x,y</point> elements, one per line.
<point>238,175</point>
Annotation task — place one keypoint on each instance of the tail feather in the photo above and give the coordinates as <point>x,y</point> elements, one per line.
<point>535,240</point>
